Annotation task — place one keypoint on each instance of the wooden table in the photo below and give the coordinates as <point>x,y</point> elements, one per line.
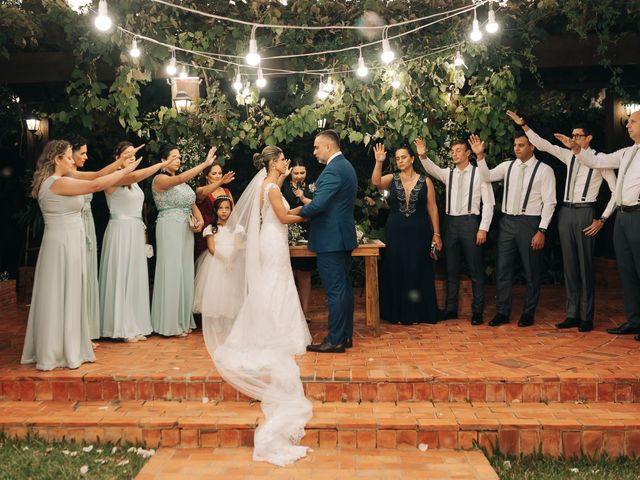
<point>370,251</point>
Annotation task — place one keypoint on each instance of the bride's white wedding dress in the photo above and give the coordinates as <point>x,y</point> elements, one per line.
<point>257,355</point>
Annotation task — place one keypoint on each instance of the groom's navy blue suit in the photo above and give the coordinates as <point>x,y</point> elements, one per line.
<point>332,236</point>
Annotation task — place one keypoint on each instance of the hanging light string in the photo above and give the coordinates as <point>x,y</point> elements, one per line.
<point>307,27</point>
<point>218,56</point>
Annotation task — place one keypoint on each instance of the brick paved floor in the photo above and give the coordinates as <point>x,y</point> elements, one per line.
<point>341,463</point>
<point>448,361</point>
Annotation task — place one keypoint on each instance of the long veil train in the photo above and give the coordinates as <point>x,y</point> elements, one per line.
<point>247,351</point>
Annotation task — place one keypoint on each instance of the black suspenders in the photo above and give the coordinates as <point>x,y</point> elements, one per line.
<point>586,185</point>
<point>533,176</point>
<point>449,191</point>
<point>526,198</point>
<point>470,204</point>
<point>473,174</point>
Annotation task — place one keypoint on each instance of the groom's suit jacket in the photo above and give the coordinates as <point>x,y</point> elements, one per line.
<point>333,227</point>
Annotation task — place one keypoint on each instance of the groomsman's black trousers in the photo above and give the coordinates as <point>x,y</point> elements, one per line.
<point>460,243</point>
<point>626,241</point>
<point>516,232</point>
<point>577,261</point>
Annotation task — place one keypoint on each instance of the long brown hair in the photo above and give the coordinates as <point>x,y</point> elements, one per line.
<point>46,164</point>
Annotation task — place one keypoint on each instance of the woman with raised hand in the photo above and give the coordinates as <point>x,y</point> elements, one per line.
<point>79,154</point>
<point>178,218</point>
<point>412,235</point>
<point>211,187</point>
<point>58,327</point>
<point>124,280</point>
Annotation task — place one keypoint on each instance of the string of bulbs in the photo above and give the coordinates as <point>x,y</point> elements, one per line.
<point>253,59</point>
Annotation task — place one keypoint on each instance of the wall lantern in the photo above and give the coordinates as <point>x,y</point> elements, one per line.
<point>631,108</point>
<point>182,101</point>
<point>33,124</point>
<point>321,123</point>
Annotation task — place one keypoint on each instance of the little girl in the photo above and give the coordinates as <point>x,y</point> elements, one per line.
<point>214,293</point>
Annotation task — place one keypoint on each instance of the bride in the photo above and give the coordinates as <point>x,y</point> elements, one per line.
<point>255,351</point>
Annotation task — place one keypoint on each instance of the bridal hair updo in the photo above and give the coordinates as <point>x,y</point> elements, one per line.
<point>46,164</point>
<point>268,154</point>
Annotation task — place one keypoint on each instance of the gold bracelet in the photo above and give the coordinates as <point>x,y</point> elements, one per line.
<point>436,234</point>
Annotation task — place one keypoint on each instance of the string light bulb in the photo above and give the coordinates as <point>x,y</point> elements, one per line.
<point>245,91</point>
<point>395,83</point>
<point>322,94</point>
<point>103,20</point>
<point>171,67</point>
<point>261,82</point>
<point>458,61</point>
<point>387,54</point>
<point>492,26</point>
<point>328,86</point>
<point>237,83</point>
<point>253,57</point>
<point>184,73</point>
<point>476,34</point>
<point>362,70</point>
<point>134,51</point>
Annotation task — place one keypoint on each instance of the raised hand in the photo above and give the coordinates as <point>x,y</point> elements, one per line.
<point>131,165</point>
<point>380,153</point>
<point>568,142</point>
<point>477,146</point>
<point>211,156</point>
<point>517,119</point>
<point>421,148</point>
<point>228,177</point>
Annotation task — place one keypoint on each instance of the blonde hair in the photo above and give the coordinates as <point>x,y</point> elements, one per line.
<point>269,153</point>
<point>46,164</point>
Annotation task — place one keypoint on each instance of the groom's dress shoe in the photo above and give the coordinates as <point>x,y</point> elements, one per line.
<point>624,329</point>
<point>326,347</point>
<point>348,343</point>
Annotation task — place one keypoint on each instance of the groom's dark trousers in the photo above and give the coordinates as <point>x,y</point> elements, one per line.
<point>332,236</point>
<point>334,269</point>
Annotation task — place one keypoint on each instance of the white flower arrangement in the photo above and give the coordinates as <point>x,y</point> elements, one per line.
<point>296,234</point>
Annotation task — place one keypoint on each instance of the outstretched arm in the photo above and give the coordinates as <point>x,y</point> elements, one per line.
<point>275,198</point>
<point>428,164</point>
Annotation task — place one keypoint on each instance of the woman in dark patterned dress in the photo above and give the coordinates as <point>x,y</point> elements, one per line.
<point>408,294</point>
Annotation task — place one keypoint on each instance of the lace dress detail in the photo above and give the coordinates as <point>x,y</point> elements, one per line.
<point>410,209</point>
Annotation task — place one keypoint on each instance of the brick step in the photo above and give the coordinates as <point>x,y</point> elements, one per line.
<point>68,385</point>
<point>329,463</point>
<point>558,429</point>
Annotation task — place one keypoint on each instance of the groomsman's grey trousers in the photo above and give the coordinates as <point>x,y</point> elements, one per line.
<point>460,242</point>
<point>577,261</point>
<point>516,232</point>
<point>626,241</point>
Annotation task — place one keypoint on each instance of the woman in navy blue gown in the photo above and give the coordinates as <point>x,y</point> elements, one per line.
<point>408,294</point>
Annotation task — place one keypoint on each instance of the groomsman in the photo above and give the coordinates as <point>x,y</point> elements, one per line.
<point>626,232</point>
<point>528,202</point>
<point>577,222</point>
<point>469,210</point>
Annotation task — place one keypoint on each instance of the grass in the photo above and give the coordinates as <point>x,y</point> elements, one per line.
<point>36,459</point>
<point>539,467</point>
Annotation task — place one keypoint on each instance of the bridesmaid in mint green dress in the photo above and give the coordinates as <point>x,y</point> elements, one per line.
<point>58,329</point>
<point>124,280</point>
<point>173,285</point>
<point>79,153</point>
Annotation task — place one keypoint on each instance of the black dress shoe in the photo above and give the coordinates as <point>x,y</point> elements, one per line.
<point>624,329</point>
<point>476,319</point>
<point>569,322</point>
<point>348,343</point>
<point>447,315</point>
<point>326,347</point>
<point>526,320</point>
<point>585,326</point>
<point>499,319</point>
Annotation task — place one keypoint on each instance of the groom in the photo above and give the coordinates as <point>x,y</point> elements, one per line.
<point>332,237</point>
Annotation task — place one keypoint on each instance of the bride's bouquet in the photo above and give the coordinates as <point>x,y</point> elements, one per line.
<point>296,234</point>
